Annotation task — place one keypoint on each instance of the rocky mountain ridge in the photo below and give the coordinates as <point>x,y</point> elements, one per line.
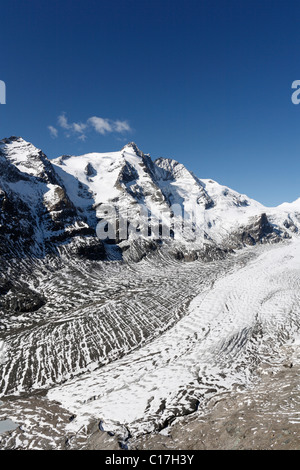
<point>46,203</point>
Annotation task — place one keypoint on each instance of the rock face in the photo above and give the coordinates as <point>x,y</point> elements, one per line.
<point>259,230</point>
<point>36,213</point>
<point>23,301</point>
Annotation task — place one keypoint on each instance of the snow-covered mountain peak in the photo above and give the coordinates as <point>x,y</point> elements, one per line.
<point>295,205</point>
<point>131,147</point>
<point>25,156</point>
<point>13,138</point>
<point>19,147</point>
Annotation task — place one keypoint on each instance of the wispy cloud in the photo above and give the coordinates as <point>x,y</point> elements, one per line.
<point>104,126</point>
<point>53,131</point>
<point>100,125</point>
<point>63,121</point>
<point>122,126</point>
<point>79,127</point>
<point>97,124</point>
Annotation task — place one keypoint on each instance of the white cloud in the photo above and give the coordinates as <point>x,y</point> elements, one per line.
<point>79,127</point>
<point>63,121</point>
<point>53,131</point>
<point>102,126</point>
<point>76,127</point>
<point>122,126</point>
<point>98,124</point>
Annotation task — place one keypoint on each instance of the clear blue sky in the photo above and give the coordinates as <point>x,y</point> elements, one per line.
<point>205,82</point>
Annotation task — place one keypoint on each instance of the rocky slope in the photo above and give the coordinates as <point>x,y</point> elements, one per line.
<point>37,215</point>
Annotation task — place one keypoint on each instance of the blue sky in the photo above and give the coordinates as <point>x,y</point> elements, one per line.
<point>205,82</point>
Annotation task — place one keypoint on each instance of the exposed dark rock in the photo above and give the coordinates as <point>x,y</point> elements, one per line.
<point>136,250</point>
<point>90,170</point>
<point>23,301</point>
<point>128,174</point>
<point>93,251</point>
<point>5,287</point>
<point>207,253</point>
<point>259,231</point>
<point>289,224</point>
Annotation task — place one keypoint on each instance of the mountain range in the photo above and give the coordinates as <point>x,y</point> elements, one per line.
<point>49,203</point>
<point>132,294</point>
